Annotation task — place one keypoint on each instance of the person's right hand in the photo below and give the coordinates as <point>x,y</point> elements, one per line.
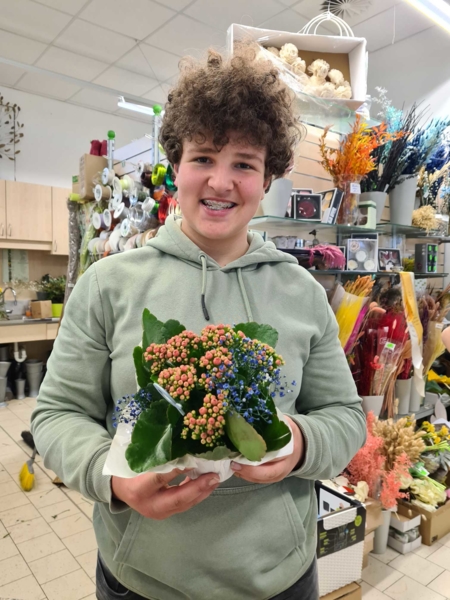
<point>151,496</point>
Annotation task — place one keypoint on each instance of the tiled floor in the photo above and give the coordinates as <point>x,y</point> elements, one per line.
<point>48,549</point>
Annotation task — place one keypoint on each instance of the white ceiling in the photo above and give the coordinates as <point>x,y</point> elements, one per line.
<point>135,46</point>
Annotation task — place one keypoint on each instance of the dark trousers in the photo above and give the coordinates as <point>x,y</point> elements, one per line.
<point>108,588</point>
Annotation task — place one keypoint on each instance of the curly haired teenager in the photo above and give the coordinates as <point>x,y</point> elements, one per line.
<point>228,131</point>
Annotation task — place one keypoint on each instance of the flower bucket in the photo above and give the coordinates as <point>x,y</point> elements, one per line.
<point>348,211</point>
<point>380,200</point>
<point>403,394</point>
<point>402,199</point>
<point>382,533</point>
<point>276,201</point>
<point>57,310</point>
<point>372,404</point>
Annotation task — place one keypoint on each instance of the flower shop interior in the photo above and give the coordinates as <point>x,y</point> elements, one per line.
<point>365,208</point>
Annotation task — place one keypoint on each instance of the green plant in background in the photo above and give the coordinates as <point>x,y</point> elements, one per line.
<point>54,287</point>
<point>10,129</point>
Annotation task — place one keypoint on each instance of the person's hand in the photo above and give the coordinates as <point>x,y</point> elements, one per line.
<point>275,470</point>
<point>151,496</point>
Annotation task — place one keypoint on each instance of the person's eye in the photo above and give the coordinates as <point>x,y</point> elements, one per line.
<point>202,160</point>
<point>244,166</point>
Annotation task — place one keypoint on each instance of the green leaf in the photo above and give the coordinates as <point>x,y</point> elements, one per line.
<point>263,333</point>
<point>153,330</point>
<point>246,439</point>
<point>433,387</point>
<point>172,328</point>
<point>276,434</point>
<point>173,415</point>
<point>143,377</point>
<point>151,440</point>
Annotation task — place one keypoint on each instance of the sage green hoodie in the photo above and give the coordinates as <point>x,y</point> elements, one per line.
<point>246,541</point>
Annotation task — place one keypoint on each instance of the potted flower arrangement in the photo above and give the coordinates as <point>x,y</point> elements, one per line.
<point>54,289</point>
<point>352,161</point>
<point>202,400</point>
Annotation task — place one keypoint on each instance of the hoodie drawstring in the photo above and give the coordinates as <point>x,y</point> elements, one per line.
<point>204,273</point>
<point>241,287</point>
<point>244,295</point>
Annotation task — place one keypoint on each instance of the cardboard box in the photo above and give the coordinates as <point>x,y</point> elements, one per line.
<point>41,309</point>
<point>403,523</point>
<point>340,540</point>
<point>434,525</point>
<point>348,54</point>
<point>374,517</point>
<point>349,592</point>
<point>402,547</point>
<point>75,184</point>
<point>90,167</point>
<point>368,547</point>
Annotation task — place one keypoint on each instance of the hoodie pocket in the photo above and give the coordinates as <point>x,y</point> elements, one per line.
<point>250,539</point>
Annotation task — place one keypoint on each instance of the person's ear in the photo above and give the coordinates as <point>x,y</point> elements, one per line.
<point>175,168</point>
<point>267,184</point>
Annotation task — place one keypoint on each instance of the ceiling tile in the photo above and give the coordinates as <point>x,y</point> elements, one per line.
<point>46,85</point>
<point>16,47</point>
<point>95,99</point>
<point>93,41</point>
<point>125,81</point>
<point>222,14</point>
<point>162,64</point>
<point>135,18</point>
<point>287,2</point>
<point>387,27</point>
<point>10,75</point>
<point>312,8</point>
<point>32,20</point>
<point>158,94</point>
<point>68,6</point>
<point>176,4</point>
<point>288,20</point>
<point>68,63</point>
<point>184,35</point>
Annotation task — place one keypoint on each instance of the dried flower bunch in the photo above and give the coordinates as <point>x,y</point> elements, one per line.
<point>399,437</point>
<point>425,218</point>
<point>354,156</point>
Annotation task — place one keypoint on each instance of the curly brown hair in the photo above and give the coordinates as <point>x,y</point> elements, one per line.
<point>240,94</point>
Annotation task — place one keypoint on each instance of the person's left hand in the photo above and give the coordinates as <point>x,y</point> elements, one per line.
<point>278,469</point>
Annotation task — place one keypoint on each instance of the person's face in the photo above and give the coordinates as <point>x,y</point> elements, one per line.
<point>219,192</point>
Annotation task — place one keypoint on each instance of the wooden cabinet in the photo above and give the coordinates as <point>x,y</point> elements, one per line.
<point>2,209</point>
<point>28,212</point>
<point>60,221</point>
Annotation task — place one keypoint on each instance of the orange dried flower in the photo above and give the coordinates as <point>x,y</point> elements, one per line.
<point>354,157</point>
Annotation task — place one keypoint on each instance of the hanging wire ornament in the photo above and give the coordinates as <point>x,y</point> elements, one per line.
<point>346,9</point>
<point>327,17</point>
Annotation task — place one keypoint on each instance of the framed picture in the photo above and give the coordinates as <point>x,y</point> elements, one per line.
<point>295,192</point>
<point>389,259</point>
<point>331,202</point>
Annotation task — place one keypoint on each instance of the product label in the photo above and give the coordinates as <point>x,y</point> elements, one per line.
<point>390,346</point>
<point>355,188</point>
<point>439,325</point>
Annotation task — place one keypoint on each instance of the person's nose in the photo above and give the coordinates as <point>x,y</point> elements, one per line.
<point>221,180</point>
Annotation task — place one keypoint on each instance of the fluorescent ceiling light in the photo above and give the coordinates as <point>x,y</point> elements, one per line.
<point>437,10</point>
<point>140,108</point>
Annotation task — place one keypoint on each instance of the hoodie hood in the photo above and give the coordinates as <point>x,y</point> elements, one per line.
<point>171,240</point>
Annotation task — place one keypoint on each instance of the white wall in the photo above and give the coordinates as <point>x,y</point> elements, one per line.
<point>415,69</point>
<point>56,134</point>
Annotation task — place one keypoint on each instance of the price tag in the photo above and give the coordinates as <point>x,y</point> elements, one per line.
<point>390,346</point>
<point>439,325</point>
<point>355,188</point>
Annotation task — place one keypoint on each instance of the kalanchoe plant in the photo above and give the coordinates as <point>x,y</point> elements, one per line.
<point>208,395</point>
<point>54,287</point>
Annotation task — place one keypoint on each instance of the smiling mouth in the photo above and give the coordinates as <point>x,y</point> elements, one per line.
<point>217,205</point>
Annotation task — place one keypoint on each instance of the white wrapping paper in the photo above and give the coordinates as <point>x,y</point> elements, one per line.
<point>116,463</point>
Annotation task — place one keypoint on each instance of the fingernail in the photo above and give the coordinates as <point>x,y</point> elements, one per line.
<point>236,466</point>
<point>213,481</point>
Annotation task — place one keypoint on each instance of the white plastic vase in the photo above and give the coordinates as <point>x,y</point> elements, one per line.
<point>372,404</point>
<point>403,394</point>
<point>382,534</point>
<point>415,400</point>
<point>380,200</point>
<point>276,201</point>
<point>402,199</point>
